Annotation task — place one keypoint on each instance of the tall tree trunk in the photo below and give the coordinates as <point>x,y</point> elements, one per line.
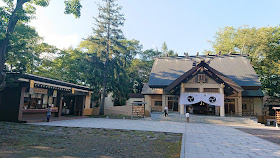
<point>5,42</point>
<point>103,94</point>
<point>3,48</point>
<point>105,76</point>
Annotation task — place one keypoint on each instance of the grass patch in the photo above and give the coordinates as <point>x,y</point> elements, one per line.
<point>23,140</point>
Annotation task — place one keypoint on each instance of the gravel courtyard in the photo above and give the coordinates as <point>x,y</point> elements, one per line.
<point>270,135</point>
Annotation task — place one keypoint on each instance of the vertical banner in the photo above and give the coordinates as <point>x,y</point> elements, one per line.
<point>31,83</point>
<point>73,90</point>
<point>31,89</point>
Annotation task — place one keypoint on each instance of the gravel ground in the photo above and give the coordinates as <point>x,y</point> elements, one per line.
<point>22,140</point>
<point>270,135</point>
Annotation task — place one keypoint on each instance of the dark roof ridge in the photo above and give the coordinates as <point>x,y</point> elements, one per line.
<point>195,56</point>
<point>32,76</point>
<point>50,79</point>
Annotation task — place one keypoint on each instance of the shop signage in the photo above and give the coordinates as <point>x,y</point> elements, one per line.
<point>31,90</point>
<point>51,87</point>
<point>40,90</point>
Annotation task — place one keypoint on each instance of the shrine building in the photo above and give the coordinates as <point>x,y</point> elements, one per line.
<point>207,84</point>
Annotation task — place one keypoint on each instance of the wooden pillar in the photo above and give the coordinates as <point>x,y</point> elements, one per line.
<point>83,105</point>
<point>182,106</point>
<point>163,99</point>
<point>59,103</point>
<point>75,106</point>
<point>236,104</point>
<point>21,104</point>
<point>222,107</point>
<point>182,109</point>
<point>239,104</point>
<point>148,109</point>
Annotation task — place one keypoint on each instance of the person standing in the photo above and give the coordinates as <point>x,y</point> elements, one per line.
<point>166,111</point>
<point>49,113</point>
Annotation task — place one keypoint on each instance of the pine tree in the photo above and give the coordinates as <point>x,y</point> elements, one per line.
<point>107,35</point>
<point>164,49</point>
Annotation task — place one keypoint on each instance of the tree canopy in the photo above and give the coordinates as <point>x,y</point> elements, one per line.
<point>261,45</point>
<point>22,11</point>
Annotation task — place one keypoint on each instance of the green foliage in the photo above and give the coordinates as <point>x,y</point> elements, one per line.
<point>42,3</point>
<point>146,62</point>
<point>25,49</point>
<point>22,12</point>
<point>164,48</point>
<point>73,7</point>
<point>166,52</point>
<point>262,46</point>
<point>108,38</point>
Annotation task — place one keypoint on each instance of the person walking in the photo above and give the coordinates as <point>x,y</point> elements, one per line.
<point>188,117</point>
<point>49,113</point>
<point>166,111</point>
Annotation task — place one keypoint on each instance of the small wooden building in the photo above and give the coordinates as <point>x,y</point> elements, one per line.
<point>28,96</point>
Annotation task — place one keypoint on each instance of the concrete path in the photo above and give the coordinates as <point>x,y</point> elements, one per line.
<point>247,122</point>
<point>199,140</point>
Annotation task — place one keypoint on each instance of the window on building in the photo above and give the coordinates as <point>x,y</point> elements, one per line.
<point>229,100</point>
<point>172,98</point>
<point>213,90</point>
<point>191,90</point>
<point>158,103</point>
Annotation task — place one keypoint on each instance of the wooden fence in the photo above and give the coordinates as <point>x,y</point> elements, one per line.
<point>138,110</point>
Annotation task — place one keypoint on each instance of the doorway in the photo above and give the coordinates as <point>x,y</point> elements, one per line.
<point>72,105</point>
<point>203,108</point>
<point>229,106</point>
<point>68,105</point>
<point>173,103</point>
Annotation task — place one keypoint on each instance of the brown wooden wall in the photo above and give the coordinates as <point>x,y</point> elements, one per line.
<point>9,106</point>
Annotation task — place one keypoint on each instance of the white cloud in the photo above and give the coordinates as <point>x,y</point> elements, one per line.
<point>52,35</point>
<point>62,41</point>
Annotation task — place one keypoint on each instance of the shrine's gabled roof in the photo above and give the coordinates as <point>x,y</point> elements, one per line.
<point>230,86</point>
<point>235,67</point>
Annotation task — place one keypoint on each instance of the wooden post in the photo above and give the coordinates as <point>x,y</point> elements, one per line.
<point>239,103</point>
<point>21,103</point>
<point>59,103</point>
<point>222,107</point>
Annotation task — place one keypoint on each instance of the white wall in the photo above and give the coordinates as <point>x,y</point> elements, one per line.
<point>109,100</point>
<point>258,105</point>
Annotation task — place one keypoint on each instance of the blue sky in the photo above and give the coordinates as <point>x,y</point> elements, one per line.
<point>186,26</point>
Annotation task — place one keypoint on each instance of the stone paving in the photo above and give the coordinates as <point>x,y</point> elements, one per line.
<point>199,139</point>
<point>247,122</point>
